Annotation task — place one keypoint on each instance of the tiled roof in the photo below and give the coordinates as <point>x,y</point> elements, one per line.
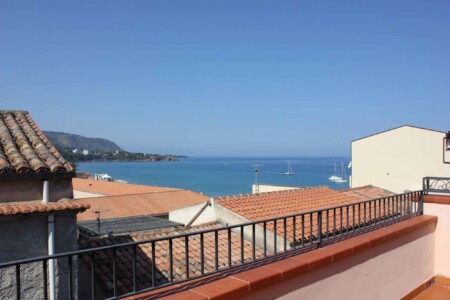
<point>114,188</point>
<point>37,206</point>
<point>140,204</point>
<point>367,192</point>
<point>268,205</point>
<point>275,204</point>
<point>103,269</point>
<point>24,148</point>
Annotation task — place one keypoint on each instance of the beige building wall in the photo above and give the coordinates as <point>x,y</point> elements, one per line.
<point>398,159</point>
<point>442,246</point>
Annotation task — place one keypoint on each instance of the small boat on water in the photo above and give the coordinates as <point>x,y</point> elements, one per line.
<point>339,177</point>
<point>289,171</point>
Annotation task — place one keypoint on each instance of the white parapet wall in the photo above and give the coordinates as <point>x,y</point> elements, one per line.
<point>81,195</point>
<point>263,188</point>
<point>185,214</point>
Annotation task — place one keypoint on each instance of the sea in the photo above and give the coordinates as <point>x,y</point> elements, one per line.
<point>219,176</point>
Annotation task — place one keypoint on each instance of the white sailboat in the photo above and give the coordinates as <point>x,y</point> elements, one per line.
<point>335,175</point>
<point>339,177</point>
<point>289,171</point>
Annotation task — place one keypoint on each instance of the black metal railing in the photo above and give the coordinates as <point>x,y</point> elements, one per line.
<point>436,185</point>
<point>134,267</point>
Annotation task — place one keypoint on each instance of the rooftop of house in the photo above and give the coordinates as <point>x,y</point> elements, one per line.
<point>255,207</point>
<point>367,192</point>
<point>24,148</point>
<point>125,225</point>
<point>114,188</point>
<point>29,207</point>
<point>104,271</point>
<point>155,203</point>
<point>279,203</point>
<point>396,128</point>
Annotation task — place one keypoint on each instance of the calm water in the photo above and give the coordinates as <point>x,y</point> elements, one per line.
<point>216,176</point>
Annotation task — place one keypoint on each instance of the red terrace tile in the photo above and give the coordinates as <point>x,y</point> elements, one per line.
<point>290,267</point>
<point>317,258</point>
<point>390,233</point>
<point>435,292</point>
<point>260,277</point>
<point>358,244</point>
<point>403,229</point>
<point>339,251</point>
<point>443,280</point>
<point>224,289</point>
<point>187,295</point>
<point>376,237</point>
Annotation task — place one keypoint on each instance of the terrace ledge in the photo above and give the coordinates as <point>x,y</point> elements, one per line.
<point>243,283</point>
<point>437,199</point>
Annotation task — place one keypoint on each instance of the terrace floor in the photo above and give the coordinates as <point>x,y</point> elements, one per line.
<point>439,290</point>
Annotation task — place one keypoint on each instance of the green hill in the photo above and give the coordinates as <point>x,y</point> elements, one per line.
<point>73,141</point>
<point>98,149</point>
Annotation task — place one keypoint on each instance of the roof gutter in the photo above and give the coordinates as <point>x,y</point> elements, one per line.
<point>205,205</point>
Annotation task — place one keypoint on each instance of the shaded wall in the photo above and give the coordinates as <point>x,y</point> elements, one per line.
<point>25,236</point>
<point>31,189</point>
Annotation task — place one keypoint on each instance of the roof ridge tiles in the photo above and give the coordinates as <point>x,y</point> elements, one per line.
<point>24,148</point>
<point>357,188</point>
<point>254,195</point>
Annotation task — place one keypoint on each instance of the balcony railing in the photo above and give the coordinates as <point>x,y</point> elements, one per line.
<point>121,269</point>
<point>436,185</point>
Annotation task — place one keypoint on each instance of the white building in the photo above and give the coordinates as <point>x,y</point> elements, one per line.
<point>398,159</point>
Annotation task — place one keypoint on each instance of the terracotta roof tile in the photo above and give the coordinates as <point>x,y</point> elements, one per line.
<point>268,205</point>
<point>24,148</point>
<point>140,204</point>
<point>103,261</point>
<point>367,192</point>
<point>114,188</point>
<point>37,206</point>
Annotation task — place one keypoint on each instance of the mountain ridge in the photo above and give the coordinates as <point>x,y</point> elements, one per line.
<point>75,141</point>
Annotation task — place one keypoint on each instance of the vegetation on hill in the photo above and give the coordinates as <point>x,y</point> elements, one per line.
<point>73,141</point>
<point>98,149</point>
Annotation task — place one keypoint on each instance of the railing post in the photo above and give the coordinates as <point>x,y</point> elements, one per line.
<point>319,229</point>
<point>420,204</point>
<point>426,184</point>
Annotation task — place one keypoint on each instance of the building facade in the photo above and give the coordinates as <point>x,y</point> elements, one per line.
<point>399,158</point>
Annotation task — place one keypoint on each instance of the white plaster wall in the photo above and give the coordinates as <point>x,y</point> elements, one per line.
<point>228,217</point>
<point>185,214</point>
<point>263,188</point>
<point>397,160</point>
<point>388,271</point>
<point>442,243</point>
<point>80,194</point>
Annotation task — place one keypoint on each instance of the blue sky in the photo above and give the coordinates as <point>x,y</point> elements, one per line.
<point>235,78</point>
